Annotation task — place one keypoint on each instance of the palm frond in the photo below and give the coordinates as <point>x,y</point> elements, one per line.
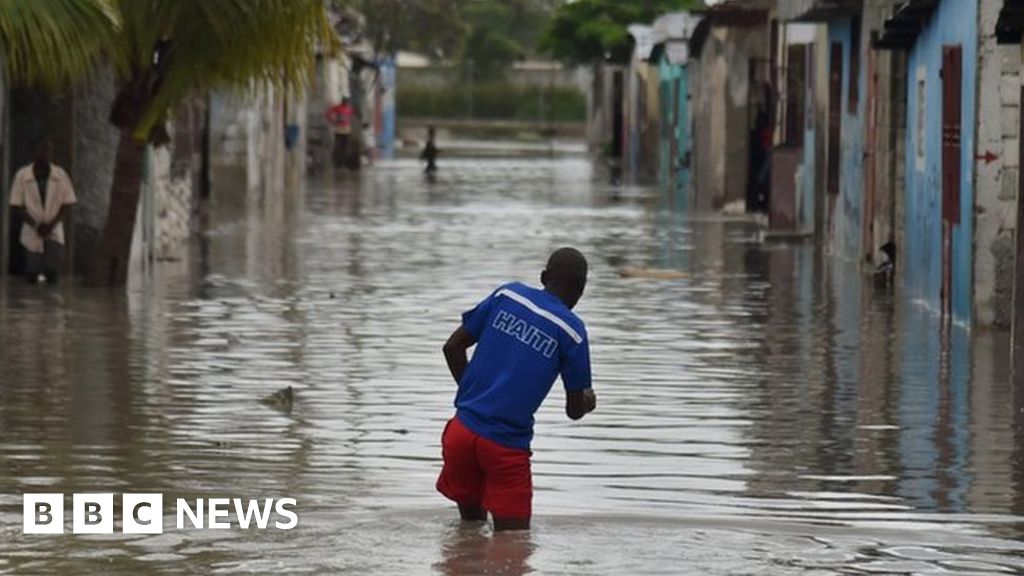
<point>51,42</point>
<point>222,43</point>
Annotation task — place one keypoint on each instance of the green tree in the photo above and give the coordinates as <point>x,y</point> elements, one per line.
<point>587,31</point>
<point>500,33</point>
<point>164,50</point>
<point>434,27</point>
<point>161,51</point>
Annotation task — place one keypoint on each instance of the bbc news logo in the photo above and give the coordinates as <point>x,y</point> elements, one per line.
<point>144,513</point>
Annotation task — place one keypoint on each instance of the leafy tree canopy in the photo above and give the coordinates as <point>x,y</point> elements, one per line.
<point>501,32</point>
<point>433,27</point>
<point>587,31</point>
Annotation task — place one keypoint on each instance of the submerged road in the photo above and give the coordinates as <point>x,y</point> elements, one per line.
<point>762,410</point>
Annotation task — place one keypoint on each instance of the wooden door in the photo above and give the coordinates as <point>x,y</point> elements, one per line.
<point>952,74</point>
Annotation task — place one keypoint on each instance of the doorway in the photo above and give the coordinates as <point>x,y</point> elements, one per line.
<point>952,74</point>
<point>835,126</point>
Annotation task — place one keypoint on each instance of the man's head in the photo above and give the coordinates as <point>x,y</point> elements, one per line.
<point>565,275</point>
<point>43,152</point>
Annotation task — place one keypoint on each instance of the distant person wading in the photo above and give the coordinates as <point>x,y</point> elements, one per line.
<point>429,154</point>
<point>42,195</point>
<point>340,119</point>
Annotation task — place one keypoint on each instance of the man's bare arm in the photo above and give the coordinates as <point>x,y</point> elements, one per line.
<point>579,403</point>
<point>455,351</point>
<point>25,217</point>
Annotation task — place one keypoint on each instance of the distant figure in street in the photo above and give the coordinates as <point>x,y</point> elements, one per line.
<point>525,338</point>
<point>369,143</point>
<point>429,154</point>
<point>42,195</point>
<point>340,119</point>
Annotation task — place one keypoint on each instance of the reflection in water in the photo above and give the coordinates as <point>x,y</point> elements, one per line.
<point>472,551</point>
<point>767,412</point>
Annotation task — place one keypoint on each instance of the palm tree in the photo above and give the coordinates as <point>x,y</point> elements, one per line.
<point>163,50</point>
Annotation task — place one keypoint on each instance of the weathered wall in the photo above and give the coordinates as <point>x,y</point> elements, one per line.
<point>177,180</point>
<point>95,150</point>
<point>721,115</point>
<point>847,225</point>
<point>601,107</point>
<point>954,22</point>
<point>247,148</point>
<point>885,114</point>
<point>642,109</point>
<point>996,180</point>
<point>814,37</point>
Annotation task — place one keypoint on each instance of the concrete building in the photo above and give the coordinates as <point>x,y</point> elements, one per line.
<point>732,95</point>
<point>847,188</point>
<point>942,42</point>
<point>672,55</point>
<point>604,112</point>
<point>85,144</point>
<point>798,157</point>
<point>641,109</point>
<point>1008,32</point>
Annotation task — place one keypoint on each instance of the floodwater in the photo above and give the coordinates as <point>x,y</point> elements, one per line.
<point>767,413</point>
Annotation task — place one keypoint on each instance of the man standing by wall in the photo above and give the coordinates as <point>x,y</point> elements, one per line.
<point>42,194</point>
<point>340,119</point>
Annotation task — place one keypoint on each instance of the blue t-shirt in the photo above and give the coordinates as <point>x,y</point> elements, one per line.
<point>525,339</point>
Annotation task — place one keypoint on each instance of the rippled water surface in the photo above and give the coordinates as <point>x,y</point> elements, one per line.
<point>767,413</point>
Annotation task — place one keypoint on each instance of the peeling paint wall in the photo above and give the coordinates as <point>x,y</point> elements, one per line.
<point>847,224</point>
<point>885,117</point>
<point>996,175</point>
<point>247,148</point>
<point>95,145</point>
<point>954,23</point>
<point>721,115</point>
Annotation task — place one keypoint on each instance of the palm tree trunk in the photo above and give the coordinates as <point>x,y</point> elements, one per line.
<point>113,257</point>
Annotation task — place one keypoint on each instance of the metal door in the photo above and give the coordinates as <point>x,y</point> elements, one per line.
<point>952,74</point>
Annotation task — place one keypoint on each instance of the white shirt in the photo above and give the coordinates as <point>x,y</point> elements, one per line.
<point>25,194</point>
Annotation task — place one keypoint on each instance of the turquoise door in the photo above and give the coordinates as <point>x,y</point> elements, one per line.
<point>665,164</point>
<point>683,135</point>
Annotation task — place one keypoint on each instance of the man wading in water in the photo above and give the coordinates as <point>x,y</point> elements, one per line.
<point>43,195</point>
<point>525,338</point>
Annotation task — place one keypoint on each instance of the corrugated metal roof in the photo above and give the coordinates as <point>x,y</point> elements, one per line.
<point>901,30</point>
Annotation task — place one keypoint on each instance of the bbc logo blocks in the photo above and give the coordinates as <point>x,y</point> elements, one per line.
<point>93,513</point>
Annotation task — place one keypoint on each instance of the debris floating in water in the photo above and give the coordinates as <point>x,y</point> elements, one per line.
<point>651,273</point>
<point>282,399</point>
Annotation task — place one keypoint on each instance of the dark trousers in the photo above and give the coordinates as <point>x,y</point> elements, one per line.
<point>47,263</point>
<point>340,149</point>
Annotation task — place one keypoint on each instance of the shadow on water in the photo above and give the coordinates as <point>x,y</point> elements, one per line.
<point>764,410</point>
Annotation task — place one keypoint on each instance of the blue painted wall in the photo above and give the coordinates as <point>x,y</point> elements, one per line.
<point>674,175</point>
<point>954,22</point>
<point>847,226</point>
<point>386,128</point>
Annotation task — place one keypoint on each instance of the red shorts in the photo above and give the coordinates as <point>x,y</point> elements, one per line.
<point>479,472</point>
